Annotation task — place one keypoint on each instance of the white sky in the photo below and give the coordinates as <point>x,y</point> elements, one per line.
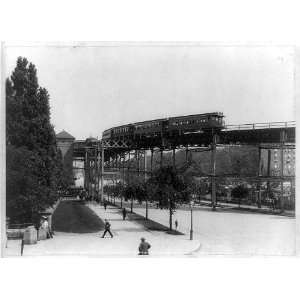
<point>97,87</point>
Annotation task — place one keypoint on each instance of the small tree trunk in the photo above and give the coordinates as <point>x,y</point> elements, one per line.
<point>131,205</point>
<point>146,208</point>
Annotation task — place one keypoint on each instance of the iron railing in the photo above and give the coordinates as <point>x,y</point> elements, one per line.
<point>260,126</point>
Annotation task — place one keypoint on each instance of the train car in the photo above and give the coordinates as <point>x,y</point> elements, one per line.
<point>149,129</point>
<point>194,123</point>
<point>106,135</point>
<point>122,132</point>
<point>166,127</point>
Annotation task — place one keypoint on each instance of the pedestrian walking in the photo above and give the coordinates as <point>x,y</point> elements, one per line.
<point>105,205</point>
<point>45,226</point>
<point>176,224</point>
<point>124,212</point>
<point>107,229</point>
<point>144,247</point>
<point>22,246</point>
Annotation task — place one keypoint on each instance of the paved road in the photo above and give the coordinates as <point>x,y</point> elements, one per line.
<point>74,217</point>
<point>228,232</point>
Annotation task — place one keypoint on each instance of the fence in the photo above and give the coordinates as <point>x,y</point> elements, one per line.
<point>261,126</point>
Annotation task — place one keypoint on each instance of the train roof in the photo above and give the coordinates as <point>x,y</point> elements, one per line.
<point>196,115</point>
<point>156,120</point>
<point>164,119</point>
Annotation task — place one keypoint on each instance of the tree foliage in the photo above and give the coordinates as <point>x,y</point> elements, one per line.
<point>239,192</point>
<point>34,165</point>
<point>169,187</point>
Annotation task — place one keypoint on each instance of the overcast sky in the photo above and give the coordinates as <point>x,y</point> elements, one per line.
<point>94,88</point>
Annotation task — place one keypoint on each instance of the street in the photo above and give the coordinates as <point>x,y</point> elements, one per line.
<point>233,233</point>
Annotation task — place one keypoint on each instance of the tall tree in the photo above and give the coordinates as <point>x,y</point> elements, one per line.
<point>29,135</point>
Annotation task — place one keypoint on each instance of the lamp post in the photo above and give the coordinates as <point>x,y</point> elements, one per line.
<point>191,231</point>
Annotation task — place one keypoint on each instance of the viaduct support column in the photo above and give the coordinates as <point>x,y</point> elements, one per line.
<point>174,159</point>
<point>151,162</point>
<point>102,173</point>
<point>282,141</point>
<point>138,162</point>
<point>85,166</point>
<point>213,171</point>
<point>145,165</point>
<point>98,171</point>
<point>258,192</point>
<point>145,179</point>
<point>128,167</point>
<point>186,154</point>
<point>269,173</point>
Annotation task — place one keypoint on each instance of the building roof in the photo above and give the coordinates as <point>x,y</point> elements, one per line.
<point>65,135</point>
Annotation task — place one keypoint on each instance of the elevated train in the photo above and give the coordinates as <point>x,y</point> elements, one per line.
<point>167,127</point>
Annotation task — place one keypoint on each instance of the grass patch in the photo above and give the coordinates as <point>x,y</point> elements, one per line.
<point>74,217</point>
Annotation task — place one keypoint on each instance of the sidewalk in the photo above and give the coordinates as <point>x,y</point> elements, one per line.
<point>125,242</point>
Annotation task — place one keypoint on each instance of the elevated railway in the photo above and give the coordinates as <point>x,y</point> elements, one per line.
<point>120,145</point>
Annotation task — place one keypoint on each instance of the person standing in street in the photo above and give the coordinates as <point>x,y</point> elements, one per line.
<point>105,205</point>
<point>107,229</point>
<point>144,247</point>
<point>124,212</point>
<point>45,226</point>
<point>176,224</point>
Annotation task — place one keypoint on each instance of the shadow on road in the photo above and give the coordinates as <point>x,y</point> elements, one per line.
<point>73,216</point>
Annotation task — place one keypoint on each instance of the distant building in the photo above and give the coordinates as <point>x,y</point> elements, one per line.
<point>289,161</point>
<point>64,142</point>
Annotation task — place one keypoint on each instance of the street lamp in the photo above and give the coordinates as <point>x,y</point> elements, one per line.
<point>191,231</point>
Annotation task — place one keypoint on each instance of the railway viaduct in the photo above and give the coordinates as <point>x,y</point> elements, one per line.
<point>101,157</point>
